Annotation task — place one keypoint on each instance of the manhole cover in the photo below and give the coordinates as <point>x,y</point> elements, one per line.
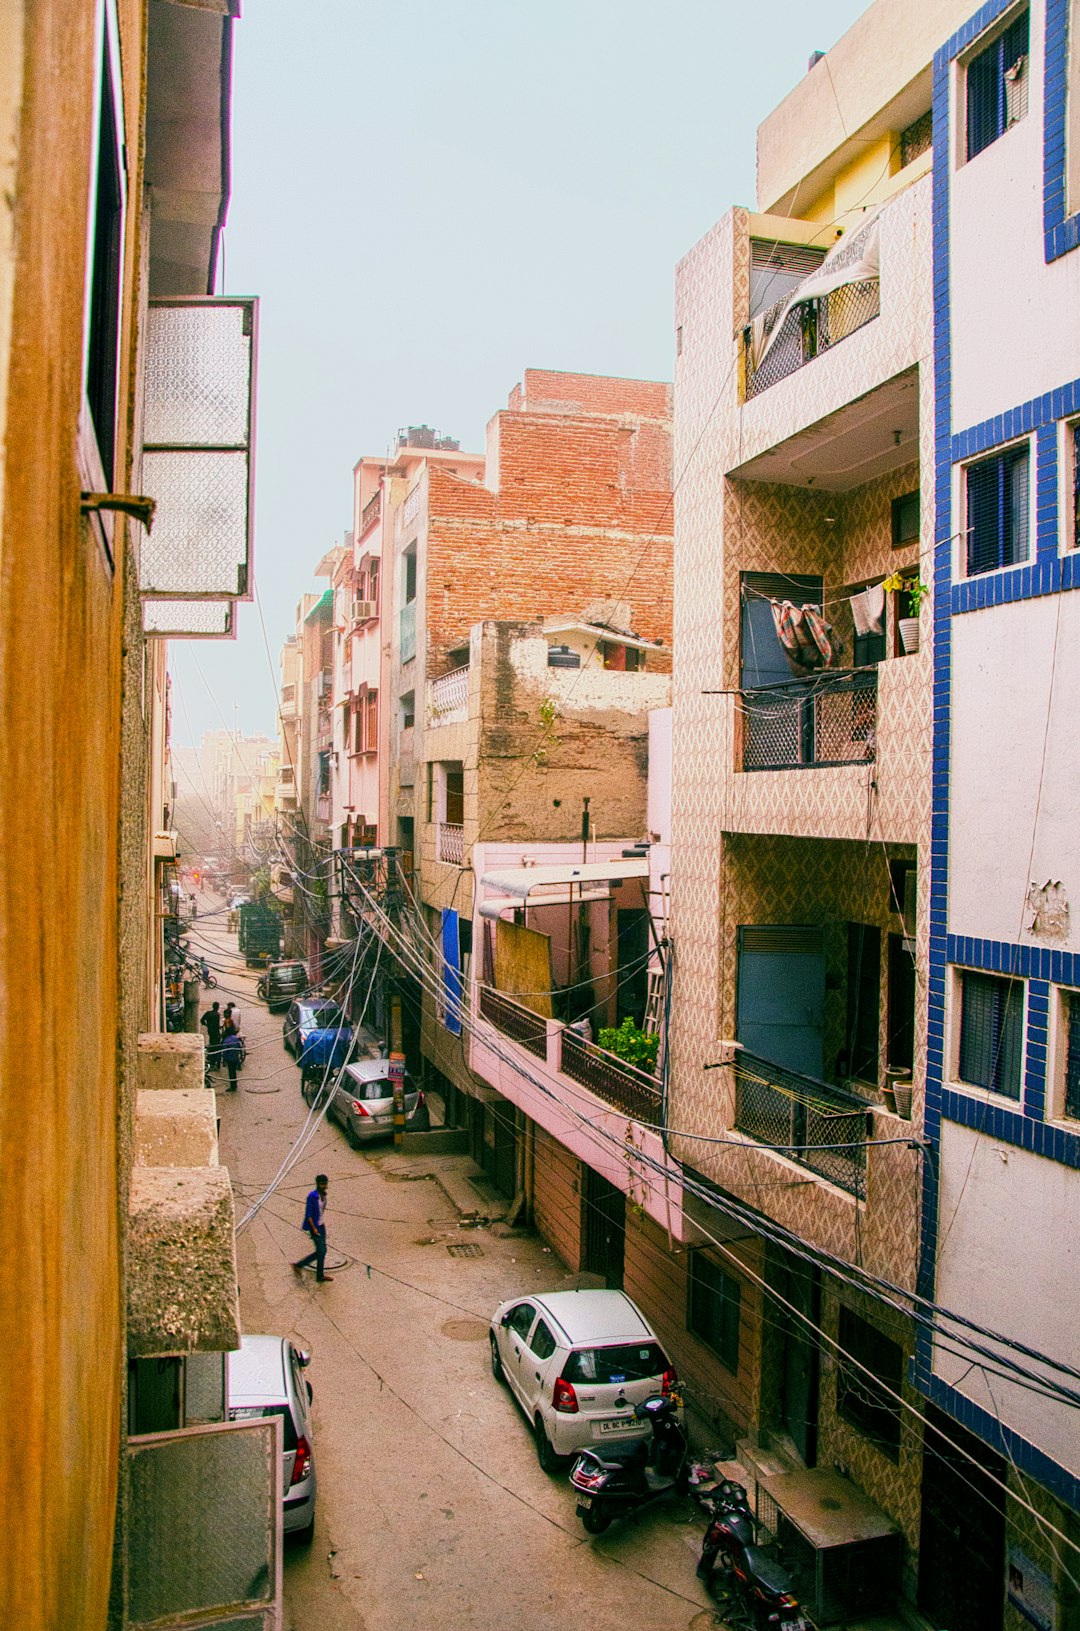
<point>465,1330</point>
<point>464,1248</point>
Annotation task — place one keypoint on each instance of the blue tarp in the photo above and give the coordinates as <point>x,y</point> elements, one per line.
<point>451,947</point>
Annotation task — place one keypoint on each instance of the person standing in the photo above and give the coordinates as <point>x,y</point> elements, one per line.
<point>212,1021</point>
<point>315,1225</point>
<point>231,1047</point>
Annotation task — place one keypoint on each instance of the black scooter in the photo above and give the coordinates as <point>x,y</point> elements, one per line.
<point>733,1566</point>
<point>629,1476</point>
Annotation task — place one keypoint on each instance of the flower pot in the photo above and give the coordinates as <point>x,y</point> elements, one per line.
<point>901,1088</point>
<point>909,634</point>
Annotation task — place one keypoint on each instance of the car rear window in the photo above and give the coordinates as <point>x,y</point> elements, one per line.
<point>326,1014</point>
<point>624,1362</point>
<point>251,1412</point>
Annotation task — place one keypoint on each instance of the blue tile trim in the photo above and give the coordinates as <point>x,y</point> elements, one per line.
<point>1022,962</point>
<point>1027,1457</point>
<point>997,1119</point>
<point>1017,421</point>
<point>1061,232</point>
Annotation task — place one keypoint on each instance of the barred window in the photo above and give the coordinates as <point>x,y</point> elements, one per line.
<point>997,80</point>
<point>997,511</point>
<point>714,1308</point>
<point>1072,1054</point>
<point>991,1032</point>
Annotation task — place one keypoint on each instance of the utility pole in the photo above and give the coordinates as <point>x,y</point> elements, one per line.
<point>393,904</point>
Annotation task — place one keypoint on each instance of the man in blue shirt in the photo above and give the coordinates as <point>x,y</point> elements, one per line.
<point>315,1225</point>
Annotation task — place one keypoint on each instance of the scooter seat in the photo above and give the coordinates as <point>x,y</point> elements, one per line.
<point>770,1574</point>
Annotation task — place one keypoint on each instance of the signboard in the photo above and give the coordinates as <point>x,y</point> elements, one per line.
<point>397,1067</point>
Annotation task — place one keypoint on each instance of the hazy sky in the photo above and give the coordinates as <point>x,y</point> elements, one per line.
<point>430,198</point>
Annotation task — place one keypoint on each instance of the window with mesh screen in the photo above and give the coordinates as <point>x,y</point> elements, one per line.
<point>991,1032</point>
<point>998,511</point>
<point>1072,1054</point>
<point>997,81</point>
<point>869,1402</point>
<point>916,138</point>
<point>1074,539</point>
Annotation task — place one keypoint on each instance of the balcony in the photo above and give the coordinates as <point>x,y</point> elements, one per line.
<point>514,1020</point>
<point>448,698</point>
<point>809,1122</point>
<point>407,634</point>
<point>450,842</point>
<point>830,719</point>
<point>370,513</point>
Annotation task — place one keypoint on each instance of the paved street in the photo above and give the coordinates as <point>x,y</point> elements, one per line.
<point>432,1508</point>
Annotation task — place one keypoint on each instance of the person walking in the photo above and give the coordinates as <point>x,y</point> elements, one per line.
<point>231,1049</point>
<point>212,1021</point>
<point>314,1224</point>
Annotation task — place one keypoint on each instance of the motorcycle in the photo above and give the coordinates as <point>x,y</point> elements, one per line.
<point>733,1566</point>
<point>209,980</point>
<point>628,1477</point>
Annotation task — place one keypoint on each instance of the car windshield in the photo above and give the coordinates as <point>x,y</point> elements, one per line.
<point>624,1362</point>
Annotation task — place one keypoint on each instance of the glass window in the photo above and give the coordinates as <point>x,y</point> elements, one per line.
<point>905,519</point>
<point>621,1362</point>
<point>1072,1054</point>
<point>997,511</point>
<point>869,1402</point>
<point>521,1318</point>
<point>997,93</point>
<point>714,1308</point>
<point>991,1032</point>
<point>543,1344</point>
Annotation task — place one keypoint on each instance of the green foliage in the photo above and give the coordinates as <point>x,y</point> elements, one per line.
<point>630,1043</point>
<point>260,883</point>
<point>548,715</point>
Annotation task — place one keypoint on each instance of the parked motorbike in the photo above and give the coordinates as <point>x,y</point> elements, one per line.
<point>734,1567</point>
<point>628,1477</point>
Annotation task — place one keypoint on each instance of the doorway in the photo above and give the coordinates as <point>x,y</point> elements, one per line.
<point>603,1228</point>
<point>800,1372</point>
<point>962,1530</point>
<point>632,930</point>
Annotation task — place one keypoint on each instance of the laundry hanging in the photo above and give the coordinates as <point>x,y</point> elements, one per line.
<point>854,260</point>
<point>868,610</point>
<point>804,636</point>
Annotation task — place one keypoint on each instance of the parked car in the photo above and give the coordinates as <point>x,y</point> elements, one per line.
<point>281,983</point>
<point>578,1362</point>
<point>363,1102</point>
<point>307,1015</point>
<point>265,1377</point>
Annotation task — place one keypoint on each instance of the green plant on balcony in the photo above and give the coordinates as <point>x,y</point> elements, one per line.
<point>628,1042</point>
<point>916,591</point>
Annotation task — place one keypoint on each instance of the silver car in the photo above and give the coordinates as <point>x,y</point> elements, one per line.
<point>363,1102</point>
<point>265,1377</point>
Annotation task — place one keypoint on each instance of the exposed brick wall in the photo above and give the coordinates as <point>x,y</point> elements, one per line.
<point>544,390</point>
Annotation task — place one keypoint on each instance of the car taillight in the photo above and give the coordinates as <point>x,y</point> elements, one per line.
<point>419,1097</point>
<point>359,1108</point>
<point>668,1380</point>
<point>300,1460</point>
<point>563,1398</point>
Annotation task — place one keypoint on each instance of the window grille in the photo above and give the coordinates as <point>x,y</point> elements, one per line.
<point>714,1309</point>
<point>997,511</point>
<point>997,86</point>
<point>991,1032</point>
<point>1074,541</point>
<point>1072,1054</point>
<point>916,138</point>
<point>868,1402</point>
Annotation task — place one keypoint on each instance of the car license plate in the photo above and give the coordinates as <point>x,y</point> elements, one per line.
<point>383,1121</point>
<point>617,1424</point>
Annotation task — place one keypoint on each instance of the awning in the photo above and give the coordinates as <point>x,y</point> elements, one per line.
<point>561,897</point>
<point>520,882</point>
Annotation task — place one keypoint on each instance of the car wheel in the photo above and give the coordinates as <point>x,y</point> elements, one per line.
<point>306,1535</point>
<point>306,1088</point>
<point>353,1136</point>
<point>496,1363</point>
<point>596,1520</point>
<point>545,1452</point>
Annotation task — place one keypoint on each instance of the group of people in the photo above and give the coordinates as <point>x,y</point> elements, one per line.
<point>224,1045</point>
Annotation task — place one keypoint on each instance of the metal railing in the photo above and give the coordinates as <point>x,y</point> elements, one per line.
<point>811,327</point>
<point>512,1019</point>
<point>451,842</point>
<point>370,513</point>
<point>830,719</point>
<point>408,632</point>
<point>632,1091</point>
<point>450,697</point>
<point>812,1123</point>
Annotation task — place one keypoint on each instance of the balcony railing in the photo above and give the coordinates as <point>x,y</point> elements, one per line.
<point>816,1125</point>
<point>632,1091</point>
<point>830,719</point>
<point>370,513</point>
<point>794,332</point>
<point>451,842</point>
<point>450,697</point>
<point>512,1019</point>
<point>408,632</point>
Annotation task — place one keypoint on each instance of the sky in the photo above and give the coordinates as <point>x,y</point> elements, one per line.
<point>429,199</point>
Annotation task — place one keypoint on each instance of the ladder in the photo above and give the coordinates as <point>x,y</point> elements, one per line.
<point>654,1002</point>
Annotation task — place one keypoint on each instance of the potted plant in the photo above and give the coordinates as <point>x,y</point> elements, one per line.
<point>916,591</point>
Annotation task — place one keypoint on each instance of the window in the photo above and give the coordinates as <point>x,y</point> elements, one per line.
<point>373,582</point>
<point>410,575</point>
<point>358,729</point>
<point>521,1318</point>
<point>371,721</point>
<point>106,259</point>
<point>1071,1019</point>
<point>408,710</point>
<point>1073,541</point>
<point>714,1309</point>
<point>867,1402</point>
<point>863,1001</point>
<point>997,511</point>
<point>624,1362</point>
<point>997,86</point>
<point>916,138</point>
<point>905,519</point>
<point>543,1344</point>
<point>991,1032</point>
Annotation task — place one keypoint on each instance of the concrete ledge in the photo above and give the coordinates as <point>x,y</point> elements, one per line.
<point>171,1060</point>
<point>181,1279</point>
<point>439,1141</point>
<point>176,1128</point>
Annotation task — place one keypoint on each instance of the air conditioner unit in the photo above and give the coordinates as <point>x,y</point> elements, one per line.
<point>362,610</point>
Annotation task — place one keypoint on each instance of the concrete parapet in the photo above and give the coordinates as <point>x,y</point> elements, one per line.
<point>168,1059</point>
<point>176,1129</point>
<point>181,1280</point>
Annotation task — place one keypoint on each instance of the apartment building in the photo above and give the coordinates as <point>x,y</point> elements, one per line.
<point>802,768</point>
<point>1001,1230</point>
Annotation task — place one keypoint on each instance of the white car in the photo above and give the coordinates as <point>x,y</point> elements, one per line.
<point>578,1362</point>
<point>265,1377</point>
